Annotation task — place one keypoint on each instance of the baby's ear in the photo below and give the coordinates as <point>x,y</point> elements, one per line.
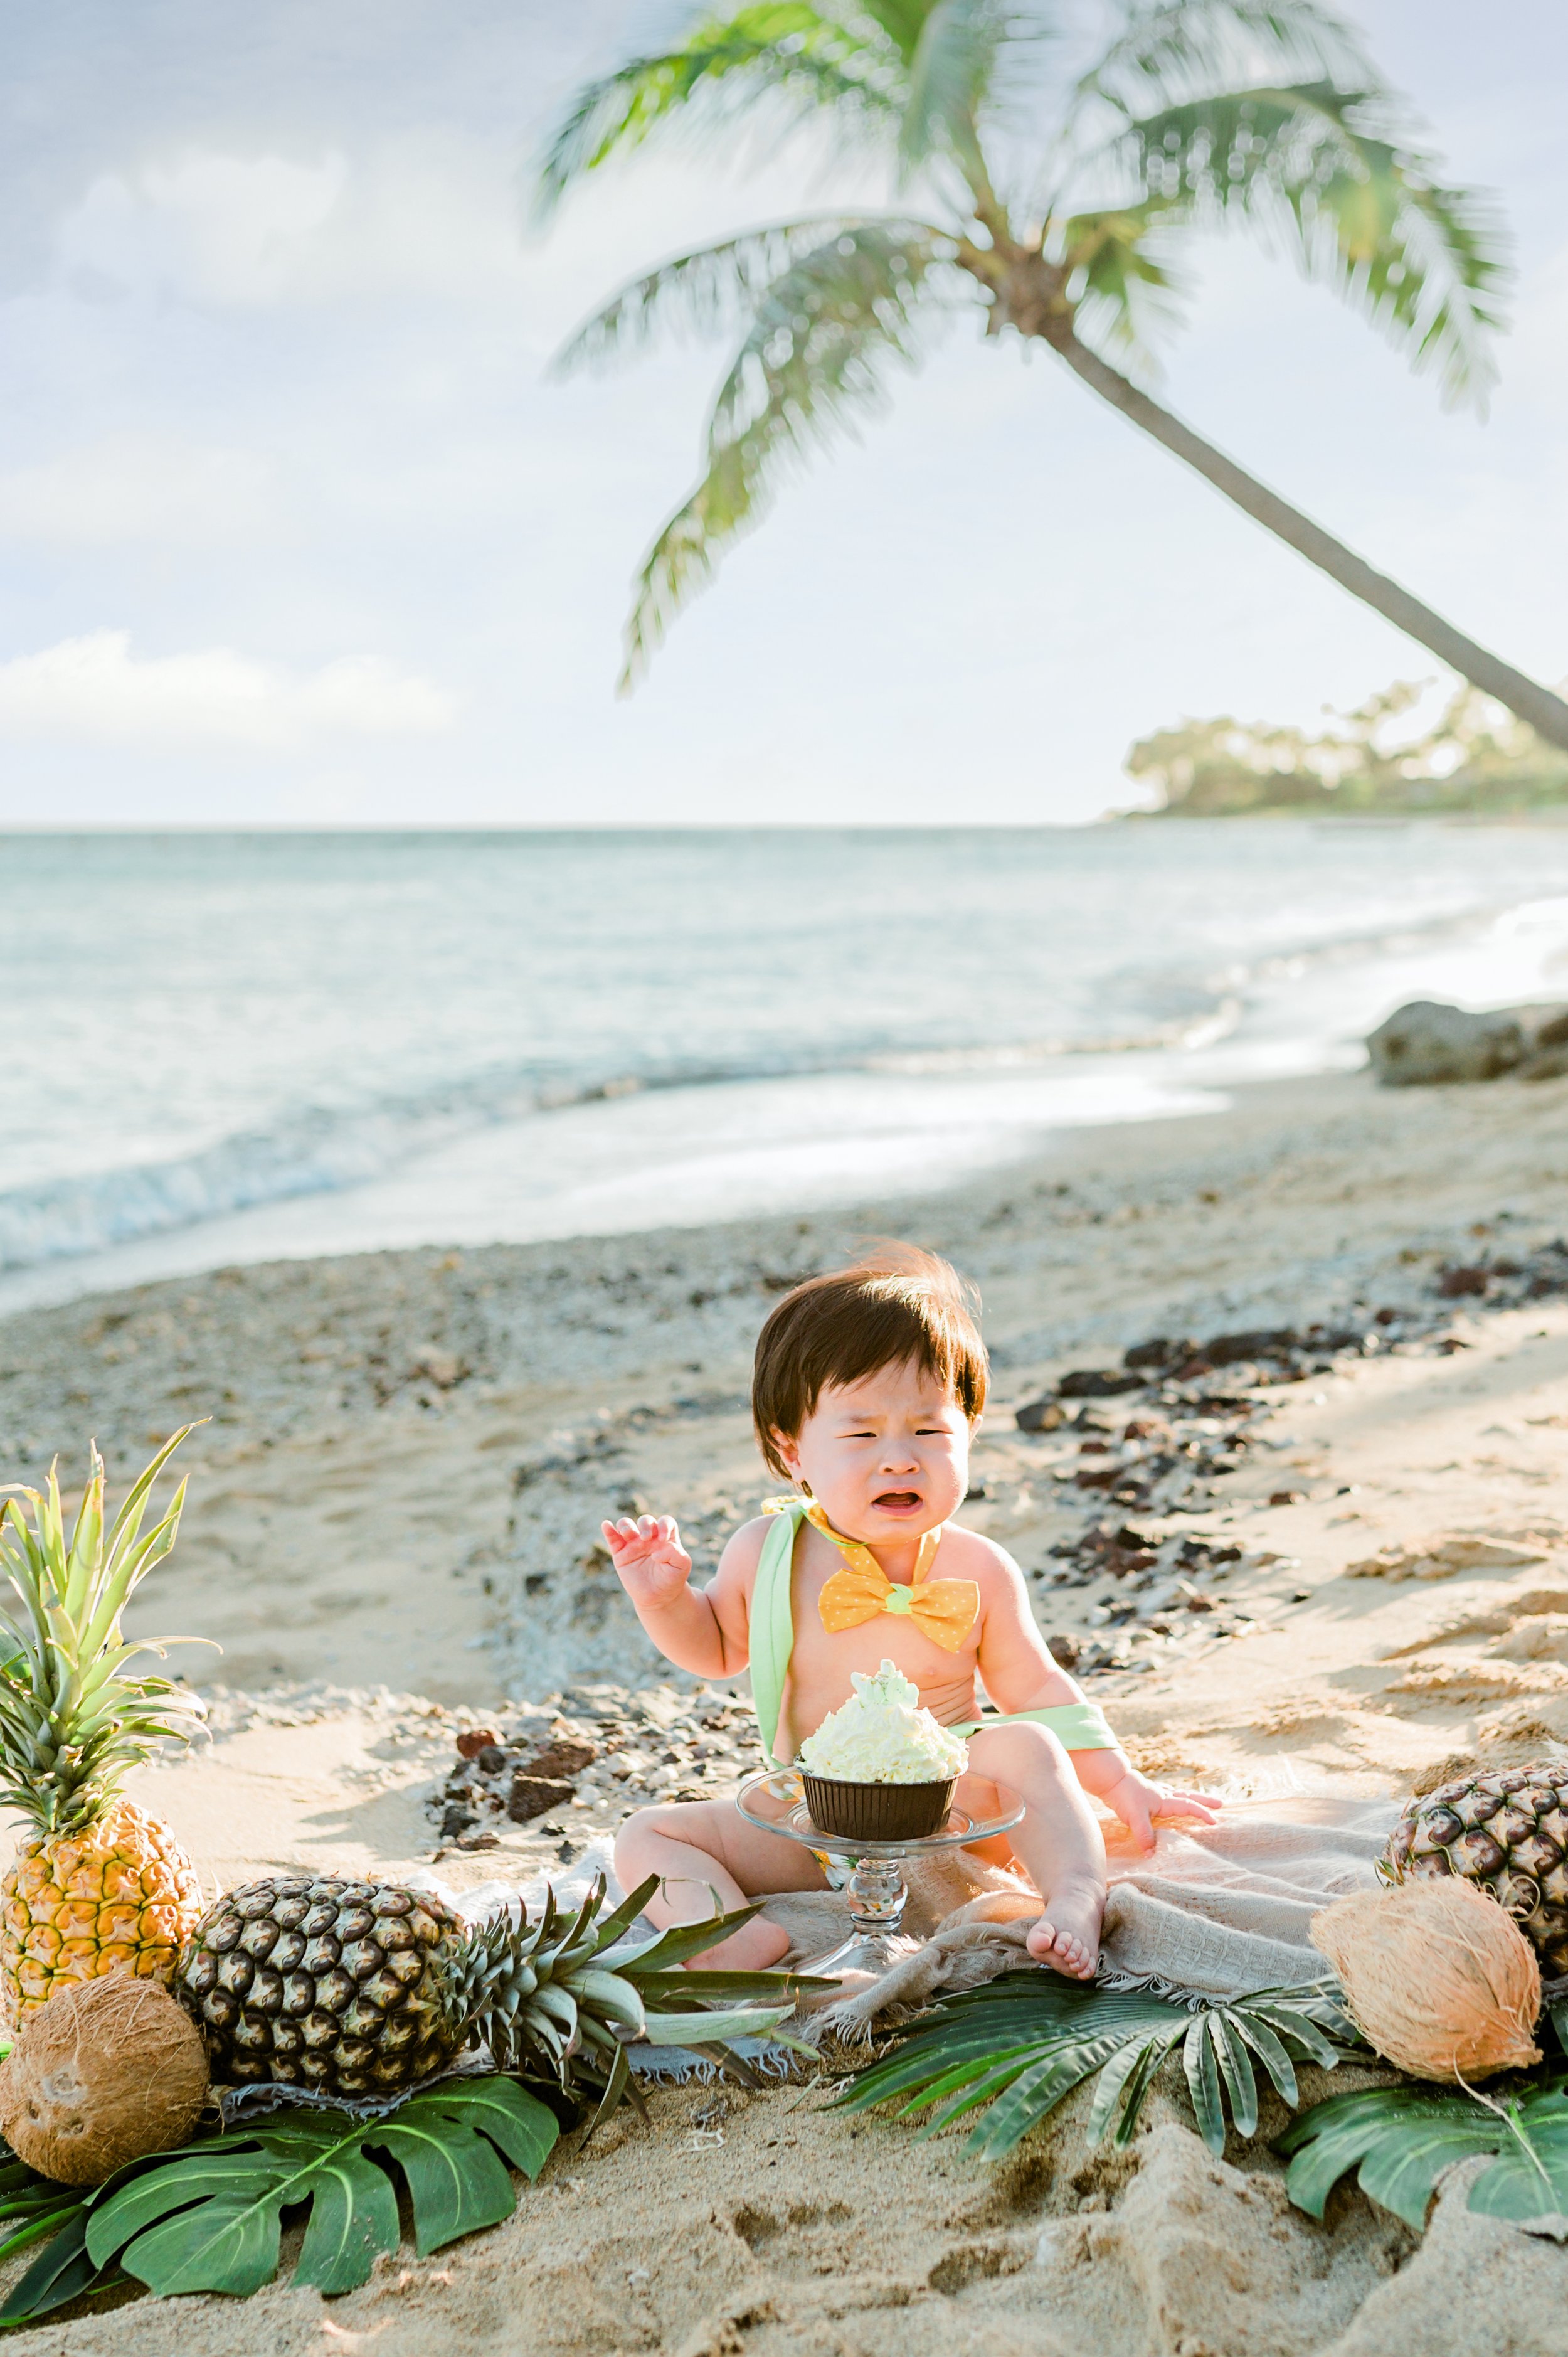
<point>787,1453</point>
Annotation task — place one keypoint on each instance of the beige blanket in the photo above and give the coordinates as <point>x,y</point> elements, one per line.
<point>1219,1911</point>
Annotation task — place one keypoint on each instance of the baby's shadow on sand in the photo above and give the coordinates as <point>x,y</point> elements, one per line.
<point>391,1825</point>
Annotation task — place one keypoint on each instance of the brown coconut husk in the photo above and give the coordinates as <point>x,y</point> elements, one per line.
<point>1438,1977</point>
<point>102,2074</point>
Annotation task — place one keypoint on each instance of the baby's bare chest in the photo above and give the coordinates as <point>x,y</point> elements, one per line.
<point>823,1662</point>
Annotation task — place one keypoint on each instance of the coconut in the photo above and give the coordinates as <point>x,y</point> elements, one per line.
<point>1438,1977</point>
<point>105,2071</point>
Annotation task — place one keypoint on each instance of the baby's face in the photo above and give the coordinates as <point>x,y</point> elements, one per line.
<point>887,1457</point>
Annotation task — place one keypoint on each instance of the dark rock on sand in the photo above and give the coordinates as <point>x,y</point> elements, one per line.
<point>563,1757</point>
<point>1260,1342</point>
<point>1505,1282</point>
<point>1431,1043</point>
<point>531,1796</point>
<point>1040,1415</point>
<point>475,1739</point>
<point>1453,1282</point>
<point>1098,1382</point>
<point>1159,1351</point>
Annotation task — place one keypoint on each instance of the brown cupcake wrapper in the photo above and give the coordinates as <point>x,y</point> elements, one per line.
<point>877,1813</point>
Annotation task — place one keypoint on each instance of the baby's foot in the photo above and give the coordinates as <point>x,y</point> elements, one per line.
<point>1066,1936</point>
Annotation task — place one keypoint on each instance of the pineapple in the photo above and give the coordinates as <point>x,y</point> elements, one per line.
<point>97,1886</point>
<point>360,1989</point>
<point>318,1981</point>
<point>1507,1833</point>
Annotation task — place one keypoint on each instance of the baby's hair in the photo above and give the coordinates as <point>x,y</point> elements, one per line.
<point>898,1305</point>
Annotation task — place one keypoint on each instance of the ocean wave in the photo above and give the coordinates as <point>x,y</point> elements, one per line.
<point>1201,1028</point>
<point>317,1149</point>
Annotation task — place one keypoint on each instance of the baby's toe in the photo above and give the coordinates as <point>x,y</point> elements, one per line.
<point>1042,1939</point>
<point>1062,1950</point>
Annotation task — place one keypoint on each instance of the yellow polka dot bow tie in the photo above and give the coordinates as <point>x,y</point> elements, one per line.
<point>945,1610</point>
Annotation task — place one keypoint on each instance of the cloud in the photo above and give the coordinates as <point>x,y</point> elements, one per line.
<point>94,690</point>
<point>422,215</point>
<point>141,487</point>
<point>224,228</point>
<point>418,215</point>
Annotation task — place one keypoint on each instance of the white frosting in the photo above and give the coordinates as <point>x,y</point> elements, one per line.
<point>882,1735</point>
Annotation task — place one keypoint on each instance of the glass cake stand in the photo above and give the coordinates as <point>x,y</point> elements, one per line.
<point>877,1890</point>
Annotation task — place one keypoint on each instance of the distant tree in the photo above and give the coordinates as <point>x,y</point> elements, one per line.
<point>1058,212</point>
<point>1475,758</point>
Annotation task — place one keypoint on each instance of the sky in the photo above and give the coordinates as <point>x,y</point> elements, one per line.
<point>296,529</point>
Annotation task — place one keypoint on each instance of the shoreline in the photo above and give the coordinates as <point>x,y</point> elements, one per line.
<point>1092,985</point>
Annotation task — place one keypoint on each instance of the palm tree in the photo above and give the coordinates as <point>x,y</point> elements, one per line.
<point>1265,113</point>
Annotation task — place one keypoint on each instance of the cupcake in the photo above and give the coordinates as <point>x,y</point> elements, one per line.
<point>881,1769</point>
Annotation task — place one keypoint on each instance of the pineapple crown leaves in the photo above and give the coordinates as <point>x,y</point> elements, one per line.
<point>1013,2049</point>
<point>210,2218</point>
<point>74,1717</point>
<point>571,1990</point>
<point>1400,2140</point>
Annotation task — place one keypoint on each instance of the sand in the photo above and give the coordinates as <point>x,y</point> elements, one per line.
<point>392,1534</point>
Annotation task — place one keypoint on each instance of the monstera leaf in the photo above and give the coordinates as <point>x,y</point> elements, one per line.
<point>31,2207</point>
<point>1014,2048</point>
<point>210,2218</point>
<point>1400,2140</point>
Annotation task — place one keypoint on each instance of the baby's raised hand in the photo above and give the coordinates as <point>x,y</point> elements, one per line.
<point>647,1554</point>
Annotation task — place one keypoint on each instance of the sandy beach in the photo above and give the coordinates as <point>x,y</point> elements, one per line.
<point>1355,1579</point>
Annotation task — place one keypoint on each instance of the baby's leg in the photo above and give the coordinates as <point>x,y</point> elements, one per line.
<point>1059,1841</point>
<point>709,1860</point>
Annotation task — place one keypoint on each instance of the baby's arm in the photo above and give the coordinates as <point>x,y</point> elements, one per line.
<point>1017,1670</point>
<point>703,1630</point>
<point>1019,1673</point>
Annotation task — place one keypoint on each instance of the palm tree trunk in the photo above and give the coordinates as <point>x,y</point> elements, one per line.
<point>1546,714</point>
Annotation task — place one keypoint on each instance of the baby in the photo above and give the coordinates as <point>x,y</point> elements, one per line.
<point>867,1389</point>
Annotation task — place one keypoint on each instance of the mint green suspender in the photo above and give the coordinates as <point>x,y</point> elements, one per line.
<point>1079,1726</point>
<point>772,1633</point>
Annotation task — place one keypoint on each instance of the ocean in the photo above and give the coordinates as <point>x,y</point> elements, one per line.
<point>241,1046</point>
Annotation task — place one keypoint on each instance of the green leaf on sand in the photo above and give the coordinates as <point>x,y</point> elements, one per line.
<point>210,2218</point>
<point>1400,2140</point>
<point>1013,2049</point>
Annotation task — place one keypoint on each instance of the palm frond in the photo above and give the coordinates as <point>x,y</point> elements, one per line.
<point>1015,2047</point>
<point>1123,282</point>
<point>900,22</point>
<point>706,289</point>
<point>784,49</point>
<point>1169,50</point>
<point>950,74</point>
<point>1323,171</point>
<point>814,356</point>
